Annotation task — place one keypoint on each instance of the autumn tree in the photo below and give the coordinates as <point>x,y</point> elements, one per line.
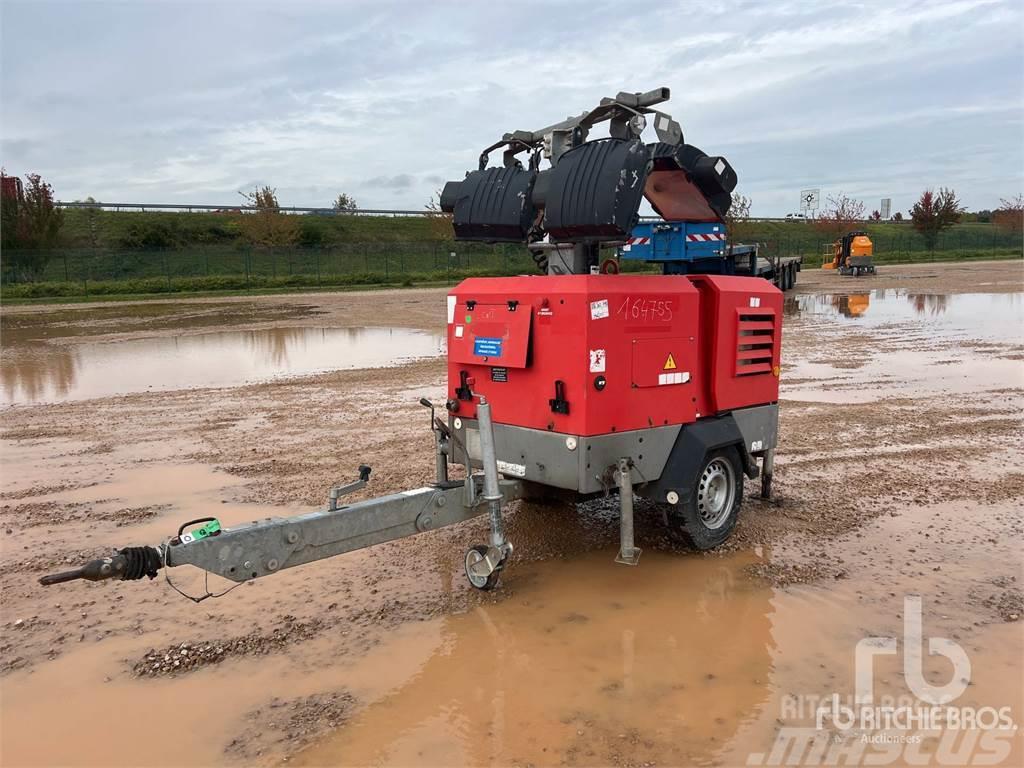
<point>265,225</point>
<point>39,220</point>
<point>897,216</point>
<point>840,215</point>
<point>737,219</point>
<point>345,203</point>
<point>876,216</point>
<point>440,223</point>
<point>10,196</point>
<point>31,223</point>
<point>935,212</point>
<point>1010,215</point>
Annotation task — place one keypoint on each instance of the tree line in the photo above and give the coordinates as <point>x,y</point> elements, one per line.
<point>31,222</point>
<point>933,213</point>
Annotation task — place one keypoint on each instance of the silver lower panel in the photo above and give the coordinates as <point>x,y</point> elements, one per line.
<point>587,464</point>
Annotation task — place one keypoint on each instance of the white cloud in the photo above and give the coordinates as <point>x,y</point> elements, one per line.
<point>191,102</point>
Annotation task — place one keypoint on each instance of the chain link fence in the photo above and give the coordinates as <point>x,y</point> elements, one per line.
<point>906,246</point>
<point>99,271</point>
<point>89,271</point>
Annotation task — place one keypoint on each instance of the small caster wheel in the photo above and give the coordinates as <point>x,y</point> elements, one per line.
<point>483,566</point>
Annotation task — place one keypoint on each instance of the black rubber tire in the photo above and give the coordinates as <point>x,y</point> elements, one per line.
<point>687,516</point>
<point>492,580</point>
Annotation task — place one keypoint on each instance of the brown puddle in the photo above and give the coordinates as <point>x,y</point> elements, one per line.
<point>586,662</point>
<point>684,660</point>
<point>36,373</point>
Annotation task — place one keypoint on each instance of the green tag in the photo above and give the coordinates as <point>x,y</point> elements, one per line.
<point>202,532</point>
<point>209,529</point>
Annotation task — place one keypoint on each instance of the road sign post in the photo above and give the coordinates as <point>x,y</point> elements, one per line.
<point>809,199</point>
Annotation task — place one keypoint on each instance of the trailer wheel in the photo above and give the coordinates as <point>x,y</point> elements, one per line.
<point>710,515</point>
<point>474,556</point>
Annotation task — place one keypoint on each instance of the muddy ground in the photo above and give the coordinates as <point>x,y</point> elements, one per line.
<point>900,471</point>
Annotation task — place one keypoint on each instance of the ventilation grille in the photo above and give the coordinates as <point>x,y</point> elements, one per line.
<point>755,344</point>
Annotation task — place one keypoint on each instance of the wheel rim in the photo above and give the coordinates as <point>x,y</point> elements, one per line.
<point>715,493</point>
<point>472,558</point>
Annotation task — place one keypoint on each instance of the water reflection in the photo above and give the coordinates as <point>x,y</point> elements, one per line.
<point>587,664</point>
<point>972,310</point>
<point>928,303</point>
<point>26,378</point>
<point>40,372</point>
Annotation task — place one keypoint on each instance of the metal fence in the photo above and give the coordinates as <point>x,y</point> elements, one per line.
<point>94,270</point>
<point>904,246</point>
<point>75,271</point>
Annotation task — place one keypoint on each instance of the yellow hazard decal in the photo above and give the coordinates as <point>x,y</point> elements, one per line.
<point>670,364</point>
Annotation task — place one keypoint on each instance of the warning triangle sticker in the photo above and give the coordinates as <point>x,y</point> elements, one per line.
<point>670,364</point>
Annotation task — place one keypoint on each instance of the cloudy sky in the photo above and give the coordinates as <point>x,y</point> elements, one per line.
<point>194,101</point>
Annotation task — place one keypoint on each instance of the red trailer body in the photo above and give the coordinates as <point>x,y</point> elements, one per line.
<point>594,354</point>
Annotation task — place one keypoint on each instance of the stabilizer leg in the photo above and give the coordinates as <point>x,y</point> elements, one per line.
<point>629,553</point>
<point>484,563</point>
<point>767,467</point>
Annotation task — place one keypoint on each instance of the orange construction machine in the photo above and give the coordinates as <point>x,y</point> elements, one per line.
<point>851,255</point>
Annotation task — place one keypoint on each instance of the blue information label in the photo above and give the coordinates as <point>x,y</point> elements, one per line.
<point>487,346</point>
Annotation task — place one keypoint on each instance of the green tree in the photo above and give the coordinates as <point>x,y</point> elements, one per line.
<point>933,213</point>
<point>265,225</point>
<point>345,203</point>
<point>92,220</point>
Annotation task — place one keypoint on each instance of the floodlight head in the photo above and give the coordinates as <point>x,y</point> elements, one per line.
<point>593,189</point>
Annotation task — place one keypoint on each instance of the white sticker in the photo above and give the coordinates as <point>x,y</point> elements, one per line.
<point>598,309</point>
<point>677,377</point>
<point>755,302</point>
<point>719,166</point>
<point>757,445</point>
<point>451,310</point>
<point>459,330</point>
<point>597,361</point>
<point>508,468</point>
